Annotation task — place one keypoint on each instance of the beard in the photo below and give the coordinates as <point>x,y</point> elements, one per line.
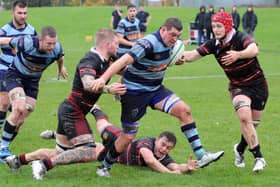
<point>19,23</point>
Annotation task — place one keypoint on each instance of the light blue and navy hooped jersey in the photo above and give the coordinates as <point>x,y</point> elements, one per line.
<point>151,57</point>
<point>9,30</point>
<point>29,60</point>
<point>130,30</point>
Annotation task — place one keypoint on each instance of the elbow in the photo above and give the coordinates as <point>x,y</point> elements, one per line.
<point>256,52</point>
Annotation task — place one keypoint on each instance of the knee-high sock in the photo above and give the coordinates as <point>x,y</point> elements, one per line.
<point>7,135</point>
<point>111,157</point>
<point>191,133</point>
<point>2,118</point>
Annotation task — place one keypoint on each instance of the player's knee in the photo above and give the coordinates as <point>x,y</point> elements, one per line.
<point>241,104</point>
<point>29,107</point>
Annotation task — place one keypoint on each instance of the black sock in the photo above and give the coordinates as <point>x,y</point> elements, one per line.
<point>242,145</point>
<point>111,157</point>
<point>256,151</point>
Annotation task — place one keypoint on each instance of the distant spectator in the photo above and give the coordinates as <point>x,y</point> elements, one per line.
<point>249,20</point>
<point>200,21</point>
<point>235,17</point>
<point>222,9</point>
<point>116,17</point>
<point>144,18</point>
<point>208,27</point>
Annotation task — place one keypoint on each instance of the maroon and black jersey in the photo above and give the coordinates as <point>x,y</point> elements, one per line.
<point>132,156</point>
<point>243,72</point>
<point>91,64</point>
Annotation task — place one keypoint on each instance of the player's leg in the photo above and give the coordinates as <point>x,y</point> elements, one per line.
<point>73,129</point>
<point>4,98</point>
<point>18,100</point>
<point>247,124</point>
<point>130,125</point>
<point>15,162</point>
<point>173,105</point>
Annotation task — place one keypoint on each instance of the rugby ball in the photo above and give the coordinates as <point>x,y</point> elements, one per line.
<point>176,52</point>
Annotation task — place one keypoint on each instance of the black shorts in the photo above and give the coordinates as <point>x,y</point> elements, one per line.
<point>143,28</point>
<point>257,93</point>
<point>72,121</point>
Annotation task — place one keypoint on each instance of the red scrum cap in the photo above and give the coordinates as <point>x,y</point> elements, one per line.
<point>225,18</point>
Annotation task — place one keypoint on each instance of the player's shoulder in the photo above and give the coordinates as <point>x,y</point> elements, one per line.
<point>91,59</point>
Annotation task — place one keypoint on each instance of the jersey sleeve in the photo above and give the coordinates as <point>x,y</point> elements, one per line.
<point>19,42</point>
<point>246,40</point>
<point>60,51</point>
<point>167,160</point>
<point>207,48</point>
<point>141,49</point>
<point>88,66</point>
<point>121,28</point>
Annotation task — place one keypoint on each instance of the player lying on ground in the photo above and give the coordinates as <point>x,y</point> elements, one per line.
<point>151,152</point>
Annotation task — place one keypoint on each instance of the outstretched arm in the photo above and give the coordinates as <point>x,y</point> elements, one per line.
<point>116,67</point>
<point>5,40</point>
<point>189,56</point>
<point>153,163</point>
<point>191,165</point>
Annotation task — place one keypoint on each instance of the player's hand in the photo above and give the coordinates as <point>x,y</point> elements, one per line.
<point>97,85</point>
<point>117,88</point>
<point>181,60</point>
<point>192,165</point>
<point>62,73</point>
<point>230,57</point>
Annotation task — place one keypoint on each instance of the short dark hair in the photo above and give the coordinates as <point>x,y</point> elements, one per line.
<point>48,31</point>
<point>169,136</point>
<point>19,3</point>
<point>130,6</point>
<point>173,22</point>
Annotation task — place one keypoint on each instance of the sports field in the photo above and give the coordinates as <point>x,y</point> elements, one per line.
<point>202,85</point>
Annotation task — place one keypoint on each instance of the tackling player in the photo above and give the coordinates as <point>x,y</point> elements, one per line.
<point>236,53</point>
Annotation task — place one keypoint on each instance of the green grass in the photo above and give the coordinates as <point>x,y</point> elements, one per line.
<point>208,97</point>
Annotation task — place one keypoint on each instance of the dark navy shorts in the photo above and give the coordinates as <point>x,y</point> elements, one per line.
<point>3,84</point>
<point>15,79</point>
<point>134,105</point>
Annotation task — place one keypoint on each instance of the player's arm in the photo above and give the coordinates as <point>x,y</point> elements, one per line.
<point>189,56</point>
<point>124,41</point>
<point>62,72</point>
<point>250,51</point>
<point>148,20</point>
<point>116,67</point>
<point>192,165</point>
<point>114,88</point>
<point>111,22</point>
<point>153,163</point>
<point>5,40</point>
<point>119,12</point>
